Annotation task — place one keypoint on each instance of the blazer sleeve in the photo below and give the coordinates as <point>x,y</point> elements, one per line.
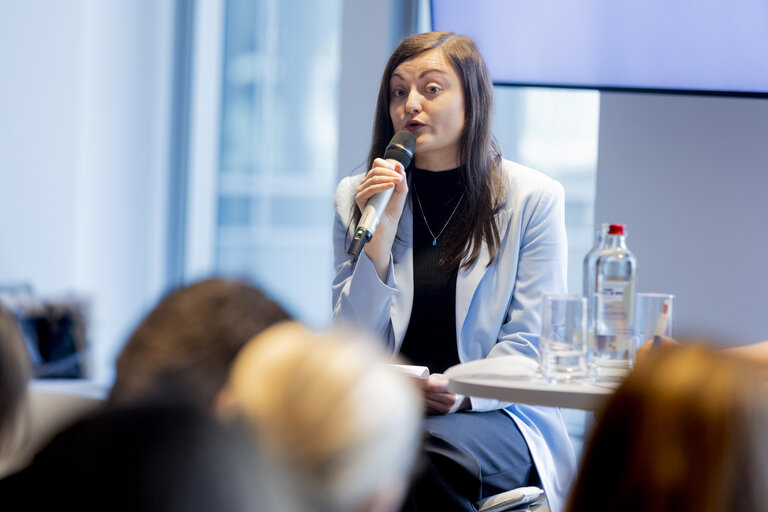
<point>360,299</point>
<point>542,268</point>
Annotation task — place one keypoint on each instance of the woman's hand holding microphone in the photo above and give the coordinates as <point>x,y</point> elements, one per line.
<point>384,175</point>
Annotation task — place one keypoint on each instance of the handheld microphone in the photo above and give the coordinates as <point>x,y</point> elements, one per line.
<point>400,149</point>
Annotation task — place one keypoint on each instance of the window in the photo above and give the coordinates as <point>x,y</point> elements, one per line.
<point>555,132</point>
<point>277,169</point>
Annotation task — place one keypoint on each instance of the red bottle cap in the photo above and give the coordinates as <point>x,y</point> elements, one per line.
<point>616,229</point>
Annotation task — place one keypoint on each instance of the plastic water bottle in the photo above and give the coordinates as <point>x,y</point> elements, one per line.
<point>616,272</point>
<point>590,283</point>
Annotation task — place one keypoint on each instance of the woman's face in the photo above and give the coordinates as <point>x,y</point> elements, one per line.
<point>426,98</point>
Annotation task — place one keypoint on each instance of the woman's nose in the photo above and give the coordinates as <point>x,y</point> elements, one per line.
<point>413,105</point>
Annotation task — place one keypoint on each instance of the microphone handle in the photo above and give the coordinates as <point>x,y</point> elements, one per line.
<point>374,209</point>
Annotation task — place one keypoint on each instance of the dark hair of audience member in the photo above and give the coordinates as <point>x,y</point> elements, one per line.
<point>183,349</point>
<point>15,371</point>
<point>149,458</point>
<point>684,432</point>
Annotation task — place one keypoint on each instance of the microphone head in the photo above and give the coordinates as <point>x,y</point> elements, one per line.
<point>401,148</point>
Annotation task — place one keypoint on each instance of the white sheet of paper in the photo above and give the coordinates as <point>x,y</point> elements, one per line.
<point>418,372</point>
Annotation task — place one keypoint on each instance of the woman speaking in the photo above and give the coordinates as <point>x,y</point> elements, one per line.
<point>455,272</point>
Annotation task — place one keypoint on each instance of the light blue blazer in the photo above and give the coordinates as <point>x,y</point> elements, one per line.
<point>497,307</point>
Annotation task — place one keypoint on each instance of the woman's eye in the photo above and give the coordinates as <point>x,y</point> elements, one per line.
<point>397,93</point>
<point>433,89</point>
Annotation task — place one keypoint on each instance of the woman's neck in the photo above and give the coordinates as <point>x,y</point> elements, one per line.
<point>436,163</point>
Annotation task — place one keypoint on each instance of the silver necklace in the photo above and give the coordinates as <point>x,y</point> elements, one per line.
<point>434,238</point>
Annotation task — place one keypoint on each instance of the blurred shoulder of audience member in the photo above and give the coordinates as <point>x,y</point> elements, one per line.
<point>183,349</point>
<point>152,458</point>
<point>340,428</point>
<point>684,432</point>
<point>15,372</point>
<point>756,352</point>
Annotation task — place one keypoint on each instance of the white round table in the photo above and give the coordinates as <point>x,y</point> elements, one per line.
<point>534,391</point>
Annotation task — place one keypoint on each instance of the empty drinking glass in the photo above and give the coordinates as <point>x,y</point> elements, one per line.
<point>649,318</point>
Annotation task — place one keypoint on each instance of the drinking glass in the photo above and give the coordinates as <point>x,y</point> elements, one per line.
<point>563,342</point>
<point>648,308</point>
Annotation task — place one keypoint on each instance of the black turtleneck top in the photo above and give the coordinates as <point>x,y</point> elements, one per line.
<point>431,336</point>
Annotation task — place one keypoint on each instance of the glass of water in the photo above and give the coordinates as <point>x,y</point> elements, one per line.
<point>563,342</point>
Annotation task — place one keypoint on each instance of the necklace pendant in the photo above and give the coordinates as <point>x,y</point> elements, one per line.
<point>434,242</point>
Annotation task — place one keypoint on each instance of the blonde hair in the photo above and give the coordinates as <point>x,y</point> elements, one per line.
<point>328,413</point>
<point>685,431</point>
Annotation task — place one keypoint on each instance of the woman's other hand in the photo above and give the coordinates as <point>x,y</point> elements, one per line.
<point>385,174</point>
<point>438,400</point>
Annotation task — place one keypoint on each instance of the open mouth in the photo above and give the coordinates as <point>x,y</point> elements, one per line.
<point>413,125</point>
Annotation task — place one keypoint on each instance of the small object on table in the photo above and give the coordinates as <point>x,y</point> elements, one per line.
<point>661,325</point>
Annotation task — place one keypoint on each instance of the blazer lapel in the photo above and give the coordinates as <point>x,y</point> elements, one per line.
<point>469,279</point>
<point>402,254</point>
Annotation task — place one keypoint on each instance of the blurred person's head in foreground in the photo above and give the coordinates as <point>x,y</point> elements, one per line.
<point>339,427</point>
<point>15,372</point>
<point>684,432</point>
<point>149,458</point>
<point>183,349</point>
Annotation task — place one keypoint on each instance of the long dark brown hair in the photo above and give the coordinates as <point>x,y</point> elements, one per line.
<point>478,150</point>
